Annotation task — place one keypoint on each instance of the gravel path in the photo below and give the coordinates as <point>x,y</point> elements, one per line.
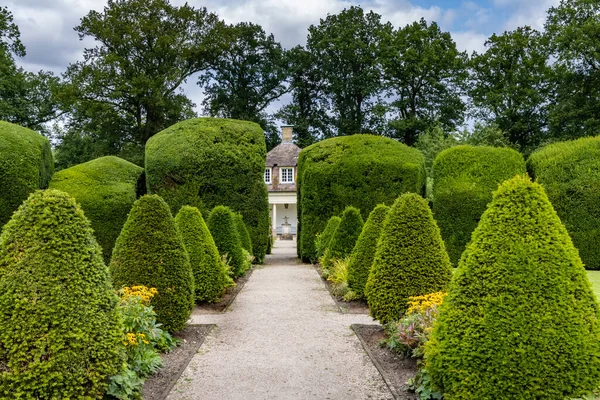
<point>282,338</point>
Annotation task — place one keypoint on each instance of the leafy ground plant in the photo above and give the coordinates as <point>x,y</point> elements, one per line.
<point>143,341</point>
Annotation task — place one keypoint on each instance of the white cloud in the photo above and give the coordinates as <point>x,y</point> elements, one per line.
<point>526,12</point>
<point>470,41</point>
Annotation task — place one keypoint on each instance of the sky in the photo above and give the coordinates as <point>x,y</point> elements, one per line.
<point>47,25</point>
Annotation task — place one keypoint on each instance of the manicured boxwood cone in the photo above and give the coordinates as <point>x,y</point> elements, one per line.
<point>327,234</point>
<point>106,189</point>
<point>26,164</point>
<point>60,333</point>
<point>363,253</point>
<point>358,170</point>
<point>243,232</point>
<point>464,179</point>
<point>207,162</point>
<point>222,226</point>
<point>410,260</point>
<point>150,252</point>
<point>570,174</point>
<point>211,278</point>
<point>520,319</point>
<point>345,236</point>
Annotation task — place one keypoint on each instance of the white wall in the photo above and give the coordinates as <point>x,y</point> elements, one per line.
<point>290,213</point>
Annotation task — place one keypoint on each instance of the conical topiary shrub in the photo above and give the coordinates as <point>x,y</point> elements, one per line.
<point>149,251</point>
<point>410,260</point>
<point>363,253</point>
<point>222,226</point>
<point>520,319</point>
<point>325,237</point>
<point>345,236</point>
<point>211,277</point>
<point>60,333</point>
<point>243,233</point>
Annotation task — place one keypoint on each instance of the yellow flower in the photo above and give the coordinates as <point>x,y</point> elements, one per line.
<point>144,293</point>
<point>422,303</point>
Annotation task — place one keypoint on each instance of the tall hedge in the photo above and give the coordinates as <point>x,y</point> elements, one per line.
<point>345,236</point>
<point>211,278</point>
<point>325,237</point>
<point>60,333</point>
<point>222,226</point>
<point>570,174</point>
<point>243,233</point>
<point>363,253</point>
<point>206,162</point>
<point>410,260</point>
<point>106,189</point>
<point>358,170</point>
<point>149,251</point>
<point>464,179</point>
<point>26,164</point>
<point>520,320</point>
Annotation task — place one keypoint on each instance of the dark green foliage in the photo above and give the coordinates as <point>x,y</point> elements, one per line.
<point>570,174</point>
<point>358,170</point>
<point>364,251</point>
<point>60,333</point>
<point>26,165</point>
<point>222,226</point>
<point>345,236</point>
<point>211,277</point>
<point>150,252</point>
<point>206,162</point>
<point>243,233</point>
<point>464,179</point>
<point>325,237</point>
<point>106,189</point>
<point>520,320</point>
<point>410,259</point>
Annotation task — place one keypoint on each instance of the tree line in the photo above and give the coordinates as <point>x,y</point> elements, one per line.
<point>356,73</point>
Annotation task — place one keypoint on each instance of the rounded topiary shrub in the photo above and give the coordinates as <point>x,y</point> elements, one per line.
<point>60,333</point>
<point>26,164</point>
<point>570,174</point>
<point>243,233</point>
<point>363,253</point>
<point>345,236</point>
<point>150,252</point>
<point>222,226</point>
<point>464,179</point>
<point>410,260</point>
<point>324,238</point>
<point>358,170</point>
<point>106,189</point>
<point>520,320</point>
<point>211,278</point>
<point>206,162</point>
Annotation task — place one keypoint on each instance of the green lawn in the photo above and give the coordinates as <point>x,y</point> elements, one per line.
<point>595,279</point>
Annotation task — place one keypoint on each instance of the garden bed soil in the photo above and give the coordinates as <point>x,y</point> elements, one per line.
<point>346,307</point>
<point>226,300</point>
<point>158,386</point>
<point>395,369</point>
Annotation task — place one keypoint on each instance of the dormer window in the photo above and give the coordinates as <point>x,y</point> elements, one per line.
<point>268,176</point>
<point>286,174</point>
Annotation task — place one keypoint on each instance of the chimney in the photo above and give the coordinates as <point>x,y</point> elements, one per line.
<point>286,133</point>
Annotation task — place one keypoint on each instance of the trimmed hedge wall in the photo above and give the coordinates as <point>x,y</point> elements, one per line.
<point>363,253</point>
<point>570,174</point>
<point>464,179</point>
<point>26,164</point>
<point>345,236</point>
<point>106,189</point>
<point>520,320</point>
<point>358,170</point>
<point>410,259</point>
<point>60,332</point>
<point>206,162</point>
<point>211,278</point>
<point>325,237</point>
<point>222,226</point>
<point>150,252</point>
